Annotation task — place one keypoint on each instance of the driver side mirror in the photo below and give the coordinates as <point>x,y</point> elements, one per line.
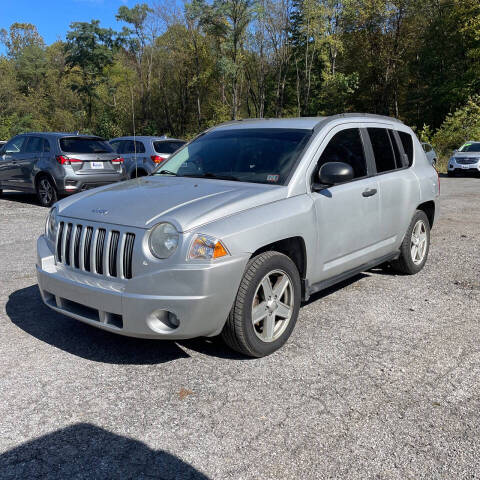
<point>334,173</point>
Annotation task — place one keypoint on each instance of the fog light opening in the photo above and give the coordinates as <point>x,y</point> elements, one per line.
<point>163,321</point>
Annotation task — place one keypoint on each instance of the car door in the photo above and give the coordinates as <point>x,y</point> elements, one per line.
<point>12,154</point>
<point>347,215</point>
<point>32,153</point>
<point>398,185</point>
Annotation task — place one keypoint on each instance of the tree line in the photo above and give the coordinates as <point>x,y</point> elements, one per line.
<point>177,71</point>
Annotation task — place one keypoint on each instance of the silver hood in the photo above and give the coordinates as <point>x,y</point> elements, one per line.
<point>186,202</point>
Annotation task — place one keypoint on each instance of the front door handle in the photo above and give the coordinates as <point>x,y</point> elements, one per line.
<point>369,192</point>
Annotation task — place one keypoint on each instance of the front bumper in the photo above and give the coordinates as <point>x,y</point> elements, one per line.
<point>200,296</point>
<point>454,166</point>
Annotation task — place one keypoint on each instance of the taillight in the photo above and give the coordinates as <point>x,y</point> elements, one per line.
<point>117,160</point>
<point>66,160</point>
<point>157,159</point>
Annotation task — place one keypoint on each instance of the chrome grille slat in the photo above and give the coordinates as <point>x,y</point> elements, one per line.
<point>112,253</point>
<point>76,246</point>
<point>87,252</point>
<point>97,250</point>
<point>68,244</point>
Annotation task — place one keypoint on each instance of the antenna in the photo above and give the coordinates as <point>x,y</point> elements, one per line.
<point>134,140</point>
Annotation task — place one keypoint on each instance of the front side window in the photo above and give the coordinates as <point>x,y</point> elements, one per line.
<point>259,155</point>
<point>382,149</point>
<point>116,146</point>
<point>34,145</point>
<point>346,146</point>
<point>133,147</point>
<point>16,145</point>
<point>84,145</point>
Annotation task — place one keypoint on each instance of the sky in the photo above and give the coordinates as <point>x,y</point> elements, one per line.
<point>53,17</point>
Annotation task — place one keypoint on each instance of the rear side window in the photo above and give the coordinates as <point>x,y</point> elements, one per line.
<point>407,143</point>
<point>382,149</point>
<point>345,146</point>
<point>84,145</point>
<point>167,147</point>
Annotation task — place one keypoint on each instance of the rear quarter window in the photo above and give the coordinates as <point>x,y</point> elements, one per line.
<point>407,142</point>
<point>167,147</point>
<point>84,145</point>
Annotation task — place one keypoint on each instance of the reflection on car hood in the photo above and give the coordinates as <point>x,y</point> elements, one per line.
<point>187,202</point>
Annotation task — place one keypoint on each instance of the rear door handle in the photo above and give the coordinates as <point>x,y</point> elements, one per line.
<point>369,192</point>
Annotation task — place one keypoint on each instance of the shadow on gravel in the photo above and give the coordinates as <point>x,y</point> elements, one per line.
<point>20,197</point>
<point>26,310</point>
<point>84,451</point>
<point>334,288</point>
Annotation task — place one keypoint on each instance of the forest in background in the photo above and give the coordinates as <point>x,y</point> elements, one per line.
<point>178,70</point>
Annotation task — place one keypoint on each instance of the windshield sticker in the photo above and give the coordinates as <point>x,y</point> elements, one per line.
<point>272,178</point>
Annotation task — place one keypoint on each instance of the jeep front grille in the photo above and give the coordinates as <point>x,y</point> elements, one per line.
<point>467,161</point>
<point>95,249</point>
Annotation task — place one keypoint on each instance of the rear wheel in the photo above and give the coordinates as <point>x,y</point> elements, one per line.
<point>415,246</point>
<point>139,173</point>
<point>266,307</point>
<point>46,191</point>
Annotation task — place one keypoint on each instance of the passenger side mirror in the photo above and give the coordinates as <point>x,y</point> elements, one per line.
<point>334,173</point>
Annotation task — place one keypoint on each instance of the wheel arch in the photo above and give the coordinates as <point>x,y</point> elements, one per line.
<point>292,247</point>
<point>429,209</point>
<point>41,174</point>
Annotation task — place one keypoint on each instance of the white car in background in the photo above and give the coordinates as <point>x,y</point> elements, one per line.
<point>466,159</point>
<point>143,154</point>
<point>430,153</point>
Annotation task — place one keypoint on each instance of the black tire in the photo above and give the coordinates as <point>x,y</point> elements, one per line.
<point>138,174</point>
<point>46,191</point>
<point>405,263</point>
<point>239,333</point>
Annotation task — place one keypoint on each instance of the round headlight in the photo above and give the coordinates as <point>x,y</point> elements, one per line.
<point>163,240</point>
<point>51,224</point>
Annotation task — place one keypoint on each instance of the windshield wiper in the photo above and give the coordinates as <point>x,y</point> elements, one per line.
<point>215,176</point>
<point>166,172</point>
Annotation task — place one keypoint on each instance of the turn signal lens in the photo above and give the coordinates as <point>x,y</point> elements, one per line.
<point>207,248</point>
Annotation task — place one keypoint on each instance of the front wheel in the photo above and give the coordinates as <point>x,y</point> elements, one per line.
<point>46,191</point>
<point>266,307</point>
<point>415,246</point>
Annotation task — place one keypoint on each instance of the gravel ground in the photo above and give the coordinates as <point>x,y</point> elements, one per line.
<point>380,378</point>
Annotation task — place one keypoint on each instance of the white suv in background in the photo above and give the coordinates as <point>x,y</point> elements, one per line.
<point>466,159</point>
<point>143,154</point>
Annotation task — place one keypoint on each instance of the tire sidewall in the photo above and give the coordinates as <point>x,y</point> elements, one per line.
<point>276,262</point>
<point>412,266</point>
<point>55,194</point>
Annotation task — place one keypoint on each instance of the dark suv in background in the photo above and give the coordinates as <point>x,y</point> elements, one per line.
<point>53,164</point>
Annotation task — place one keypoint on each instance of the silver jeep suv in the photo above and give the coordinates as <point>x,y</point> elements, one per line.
<point>53,164</point>
<point>239,227</point>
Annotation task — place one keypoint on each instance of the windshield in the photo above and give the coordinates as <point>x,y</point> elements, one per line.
<point>84,145</point>
<point>265,155</point>
<point>470,147</point>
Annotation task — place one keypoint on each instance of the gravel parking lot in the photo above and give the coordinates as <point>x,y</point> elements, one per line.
<point>381,378</point>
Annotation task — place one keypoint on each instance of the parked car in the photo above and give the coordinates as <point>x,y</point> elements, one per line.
<point>143,154</point>
<point>236,229</point>
<point>466,159</point>
<point>53,164</point>
<point>430,153</point>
